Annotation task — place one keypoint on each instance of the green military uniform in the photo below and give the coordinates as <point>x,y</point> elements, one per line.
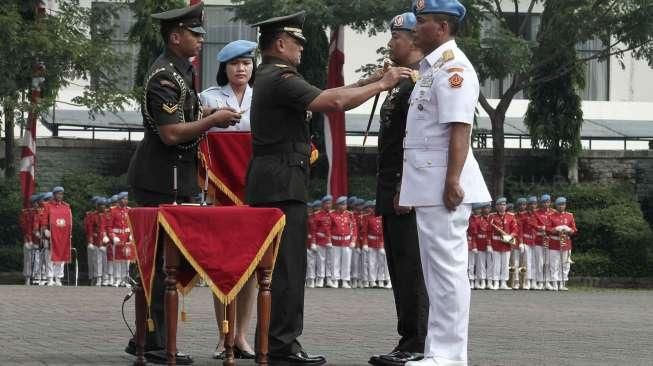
<point>169,97</point>
<point>278,177</point>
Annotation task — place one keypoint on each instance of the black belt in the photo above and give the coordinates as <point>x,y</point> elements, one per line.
<point>283,148</point>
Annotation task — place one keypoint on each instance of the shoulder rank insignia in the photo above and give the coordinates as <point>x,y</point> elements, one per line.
<point>456,81</point>
<point>280,65</point>
<point>169,108</point>
<point>447,55</point>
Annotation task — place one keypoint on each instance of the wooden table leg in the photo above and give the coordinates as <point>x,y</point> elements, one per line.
<point>264,277</point>
<point>139,338</point>
<point>230,337</point>
<point>171,299</point>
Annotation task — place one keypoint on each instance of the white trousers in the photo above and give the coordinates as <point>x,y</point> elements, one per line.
<point>555,271</point>
<point>566,265</point>
<point>443,251</point>
<point>528,256</point>
<point>482,260</point>
<point>55,269</point>
<point>365,265</point>
<point>538,263</point>
<point>356,264</point>
<point>101,265</point>
<point>91,259</point>
<point>377,266</point>
<point>471,262</point>
<point>500,266</point>
<point>333,263</point>
<point>345,263</point>
<point>310,264</point>
<point>320,262</point>
<point>39,271</point>
<point>28,261</point>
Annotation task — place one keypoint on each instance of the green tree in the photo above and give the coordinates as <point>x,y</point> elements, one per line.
<point>503,51</point>
<point>554,116</point>
<point>72,42</point>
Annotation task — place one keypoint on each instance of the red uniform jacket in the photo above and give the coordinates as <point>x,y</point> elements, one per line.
<point>483,233</point>
<point>557,219</point>
<point>541,222</point>
<point>119,228</point>
<point>311,225</point>
<point>472,230</point>
<point>322,228</point>
<point>359,218</point>
<point>343,229</point>
<point>373,231</point>
<point>88,227</point>
<point>508,223</point>
<point>526,232</point>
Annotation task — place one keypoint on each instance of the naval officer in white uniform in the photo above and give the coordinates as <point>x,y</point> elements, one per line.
<point>235,77</point>
<point>441,178</point>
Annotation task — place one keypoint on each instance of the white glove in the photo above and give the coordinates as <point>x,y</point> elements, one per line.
<point>522,247</point>
<point>313,247</point>
<point>46,232</point>
<point>489,249</point>
<point>103,249</point>
<point>90,246</point>
<point>382,251</point>
<point>37,234</point>
<point>46,244</point>
<point>474,250</point>
<point>366,248</point>
<point>329,244</point>
<point>116,240</point>
<point>105,240</point>
<point>29,245</point>
<point>131,237</point>
<point>358,250</point>
<point>352,245</point>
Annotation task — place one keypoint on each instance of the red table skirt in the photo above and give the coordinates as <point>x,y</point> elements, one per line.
<point>222,245</point>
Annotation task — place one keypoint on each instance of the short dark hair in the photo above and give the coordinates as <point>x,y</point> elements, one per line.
<point>222,79</point>
<point>451,20</point>
<point>266,40</point>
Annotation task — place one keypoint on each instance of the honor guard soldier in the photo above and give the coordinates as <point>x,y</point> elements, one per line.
<point>563,226</point>
<point>46,235</point>
<point>399,224</point>
<point>356,263</point>
<point>311,247</point>
<point>525,243</point>
<point>542,241</point>
<point>164,167</point>
<point>471,244</point>
<point>482,232</point>
<point>343,237</point>
<point>101,239</point>
<point>279,171</point>
<point>91,249</point>
<point>441,178</point>
<point>120,236</point>
<point>322,239</point>
<point>505,233</point>
<point>40,271</point>
<point>26,227</point>
<point>377,263</point>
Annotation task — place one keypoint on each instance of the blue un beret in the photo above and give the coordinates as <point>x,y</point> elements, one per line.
<point>476,205</point>
<point>532,199</point>
<point>561,201</point>
<point>352,200</point>
<point>486,204</point>
<point>57,189</point>
<point>237,49</point>
<point>449,7</point>
<point>521,200</point>
<point>317,203</point>
<point>35,197</point>
<point>47,196</point>
<point>501,200</point>
<point>327,198</point>
<point>545,197</point>
<point>341,200</point>
<point>122,195</point>
<point>405,22</point>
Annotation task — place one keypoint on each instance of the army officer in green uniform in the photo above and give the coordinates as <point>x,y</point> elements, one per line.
<point>164,166</point>
<point>279,171</point>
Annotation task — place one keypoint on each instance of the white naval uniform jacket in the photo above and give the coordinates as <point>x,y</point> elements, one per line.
<point>447,91</point>
<point>224,96</point>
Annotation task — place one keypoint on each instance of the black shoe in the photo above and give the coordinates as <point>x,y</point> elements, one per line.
<point>131,348</point>
<point>243,355</point>
<point>400,358</point>
<point>219,355</point>
<point>299,358</point>
<point>159,357</point>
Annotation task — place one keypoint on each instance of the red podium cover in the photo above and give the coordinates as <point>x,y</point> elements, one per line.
<point>227,156</point>
<point>61,220</point>
<point>222,244</point>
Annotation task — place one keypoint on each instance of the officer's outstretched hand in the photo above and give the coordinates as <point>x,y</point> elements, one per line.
<point>393,76</point>
<point>225,117</point>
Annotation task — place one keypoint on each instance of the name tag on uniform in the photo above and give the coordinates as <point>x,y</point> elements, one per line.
<point>426,81</point>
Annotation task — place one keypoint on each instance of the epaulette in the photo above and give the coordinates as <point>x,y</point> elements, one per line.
<point>510,213</point>
<point>447,56</point>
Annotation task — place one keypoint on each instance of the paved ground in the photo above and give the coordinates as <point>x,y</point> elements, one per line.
<point>83,326</point>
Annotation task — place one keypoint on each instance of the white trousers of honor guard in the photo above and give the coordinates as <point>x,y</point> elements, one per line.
<point>471,262</point>
<point>356,264</point>
<point>333,263</point>
<point>482,258</point>
<point>443,251</point>
<point>91,256</point>
<point>500,266</point>
<point>528,255</point>
<point>566,265</point>
<point>538,263</point>
<point>310,264</point>
<point>320,261</point>
<point>28,261</point>
<point>555,271</point>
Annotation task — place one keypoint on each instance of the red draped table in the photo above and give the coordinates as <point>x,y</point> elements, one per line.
<point>222,245</point>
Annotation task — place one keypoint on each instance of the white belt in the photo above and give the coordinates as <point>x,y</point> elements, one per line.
<point>121,231</point>
<point>481,236</point>
<point>336,237</point>
<point>539,234</point>
<point>373,237</point>
<point>496,237</point>
<point>321,235</point>
<point>527,236</point>
<point>554,237</point>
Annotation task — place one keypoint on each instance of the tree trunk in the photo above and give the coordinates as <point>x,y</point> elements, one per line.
<point>10,165</point>
<point>498,154</point>
<point>572,172</point>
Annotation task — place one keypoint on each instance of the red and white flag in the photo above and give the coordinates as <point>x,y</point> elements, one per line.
<point>28,155</point>
<point>334,123</point>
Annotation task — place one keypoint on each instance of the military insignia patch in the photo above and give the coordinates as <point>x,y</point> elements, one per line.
<point>456,81</point>
<point>169,108</point>
<point>447,55</point>
<point>420,5</point>
<point>398,21</point>
<point>60,222</point>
